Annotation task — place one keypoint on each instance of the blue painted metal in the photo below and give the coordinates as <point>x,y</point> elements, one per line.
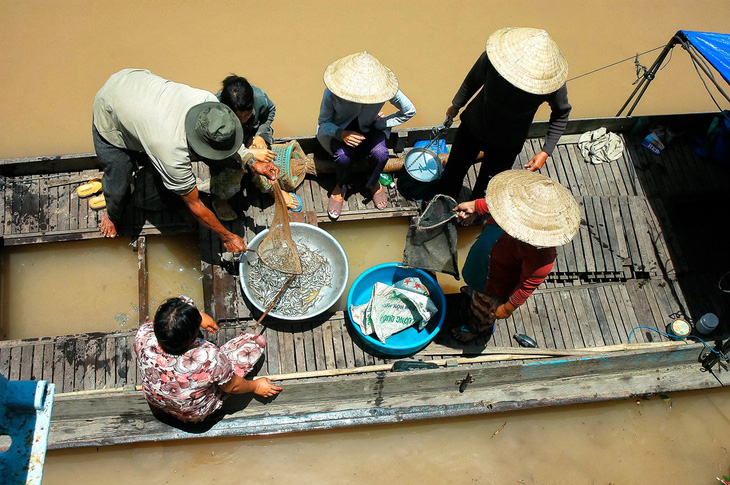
<point>25,415</point>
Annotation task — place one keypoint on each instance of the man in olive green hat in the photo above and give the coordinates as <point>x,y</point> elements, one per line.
<point>141,117</point>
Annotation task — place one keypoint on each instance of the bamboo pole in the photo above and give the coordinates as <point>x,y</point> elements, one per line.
<point>490,355</point>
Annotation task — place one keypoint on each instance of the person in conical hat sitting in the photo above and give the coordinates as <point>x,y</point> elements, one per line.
<point>521,69</point>
<point>351,123</point>
<point>529,215</point>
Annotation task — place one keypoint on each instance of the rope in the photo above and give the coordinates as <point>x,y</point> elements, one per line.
<point>672,337</point>
<point>636,57</point>
<point>694,64</point>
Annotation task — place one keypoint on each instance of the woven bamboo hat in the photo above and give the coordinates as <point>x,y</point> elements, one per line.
<point>533,208</point>
<point>528,58</point>
<point>361,78</point>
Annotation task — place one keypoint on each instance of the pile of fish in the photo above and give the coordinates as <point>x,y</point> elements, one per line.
<point>304,290</point>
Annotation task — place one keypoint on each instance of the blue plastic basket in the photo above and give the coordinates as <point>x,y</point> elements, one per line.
<point>410,340</point>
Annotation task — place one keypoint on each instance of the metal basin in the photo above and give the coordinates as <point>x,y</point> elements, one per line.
<point>316,239</point>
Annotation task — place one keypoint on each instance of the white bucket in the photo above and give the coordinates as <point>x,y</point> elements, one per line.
<point>706,323</point>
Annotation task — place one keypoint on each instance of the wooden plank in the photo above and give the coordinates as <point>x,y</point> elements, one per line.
<point>582,170</point>
<point>133,377</point>
<point>561,154</point>
<point>122,355</point>
<point>557,321</point>
<point>616,240</point>
<point>142,288</point>
<point>287,357</point>
<point>571,320</point>
<point>595,236</point>
<point>604,240</point>
<point>587,319</point>
<point>338,340</point>
<point>628,227</point>
<point>535,320</point>
<point>622,248</point>
<point>309,346</point>
<point>607,306</point>
<point>329,347</point>
<point>595,301</point>
<point>110,363</point>
<point>272,351</point>
<point>36,373</point>
<point>43,203</point>
<point>299,349</point>
<point>319,347</point>
<point>26,362</point>
<point>59,364</point>
<point>5,361</point>
<point>641,228</point>
<point>624,314</point>
<point>64,208</point>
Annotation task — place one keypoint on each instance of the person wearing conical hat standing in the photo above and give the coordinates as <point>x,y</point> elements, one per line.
<point>351,124</point>
<point>530,215</point>
<point>521,69</point>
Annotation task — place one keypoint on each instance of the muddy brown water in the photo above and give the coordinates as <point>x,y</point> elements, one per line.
<point>56,55</point>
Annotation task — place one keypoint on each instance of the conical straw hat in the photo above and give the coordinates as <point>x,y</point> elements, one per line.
<point>361,78</point>
<point>533,208</point>
<point>528,58</point>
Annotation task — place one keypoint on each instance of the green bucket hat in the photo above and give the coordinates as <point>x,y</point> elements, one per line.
<point>213,130</point>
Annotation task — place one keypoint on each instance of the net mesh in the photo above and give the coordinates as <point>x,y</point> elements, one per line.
<point>431,244</point>
<point>277,250</point>
<point>439,211</point>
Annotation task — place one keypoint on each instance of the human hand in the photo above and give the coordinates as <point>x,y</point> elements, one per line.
<point>263,154</point>
<point>267,169</point>
<point>352,138</point>
<point>465,212</point>
<point>258,142</point>
<point>504,310</point>
<point>235,244</point>
<point>380,115</point>
<point>537,162</point>
<point>265,388</point>
<point>208,323</point>
<point>452,112</point>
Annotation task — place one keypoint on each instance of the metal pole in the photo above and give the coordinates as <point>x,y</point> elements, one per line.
<point>700,63</point>
<point>648,77</point>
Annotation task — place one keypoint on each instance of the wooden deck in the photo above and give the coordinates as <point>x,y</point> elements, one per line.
<point>650,248</point>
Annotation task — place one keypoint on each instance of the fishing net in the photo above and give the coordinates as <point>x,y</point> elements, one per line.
<point>277,250</point>
<point>431,242</point>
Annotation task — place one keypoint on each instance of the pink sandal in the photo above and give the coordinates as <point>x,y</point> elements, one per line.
<point>334,207</point>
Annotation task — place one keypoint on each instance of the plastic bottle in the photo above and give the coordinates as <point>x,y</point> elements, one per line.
<point>386,179</point>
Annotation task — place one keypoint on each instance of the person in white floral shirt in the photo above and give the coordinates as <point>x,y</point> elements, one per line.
<point>188,377</point>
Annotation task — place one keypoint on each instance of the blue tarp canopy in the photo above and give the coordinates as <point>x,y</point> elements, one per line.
<point>713,47</point>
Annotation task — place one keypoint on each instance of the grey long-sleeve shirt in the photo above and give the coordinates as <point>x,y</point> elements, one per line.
<point>501,114</point>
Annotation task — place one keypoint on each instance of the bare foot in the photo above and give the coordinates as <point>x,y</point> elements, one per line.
<point>107,226</point>
<point>292,201</point>
<point>223,210</point>
<point>380,198</point>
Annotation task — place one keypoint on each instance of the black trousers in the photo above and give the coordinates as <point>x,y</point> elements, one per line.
<point>464,150</point>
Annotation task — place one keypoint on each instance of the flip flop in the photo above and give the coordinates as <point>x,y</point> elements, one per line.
<point>97,202</point>
<point>219,211</point>
<point>299,203</point>
<point>380,199</point>
<point>334,208</point>
<point>92,187</point>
